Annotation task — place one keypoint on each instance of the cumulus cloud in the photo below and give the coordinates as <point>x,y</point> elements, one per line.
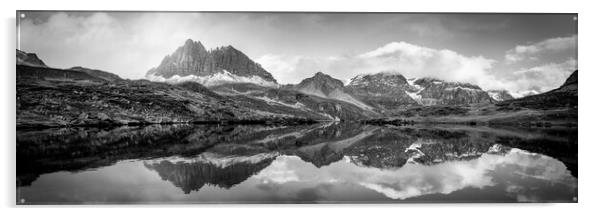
<point>538,79</point>
<point>408,59</point>
<point>546,47</point>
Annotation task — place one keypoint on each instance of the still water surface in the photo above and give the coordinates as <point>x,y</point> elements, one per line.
<point>323,163</point>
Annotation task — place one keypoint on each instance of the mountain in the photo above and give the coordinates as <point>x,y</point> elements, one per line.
<point>430,91</point>
<point>323,85</point>
<point>29,59</point>
<point>192,62</point>
<point>385,90</point>
<point>499,95</point>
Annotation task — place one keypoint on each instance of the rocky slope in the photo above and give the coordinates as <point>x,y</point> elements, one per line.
<point>323,85</point>
<point>429,91</point>
<point>383,90</point>
<point>192,62</point>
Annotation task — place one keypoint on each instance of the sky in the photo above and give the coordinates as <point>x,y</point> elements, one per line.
<point>521,53</point>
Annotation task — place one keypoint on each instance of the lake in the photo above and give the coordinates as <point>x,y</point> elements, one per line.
<point>331,162</point>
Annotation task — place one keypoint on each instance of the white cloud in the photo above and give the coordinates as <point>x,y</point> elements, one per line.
<point>405,58</point>
<point>540,78</point>
<point>537,50</point>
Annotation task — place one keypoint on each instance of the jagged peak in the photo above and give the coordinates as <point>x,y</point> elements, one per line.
<point>193,59</point>
<point>192,46</point>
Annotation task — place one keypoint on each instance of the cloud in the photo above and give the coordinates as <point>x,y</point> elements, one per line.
<point>408,59</point>
<point>546,47</point>
<point>127,47</point>
<point>540,78</point>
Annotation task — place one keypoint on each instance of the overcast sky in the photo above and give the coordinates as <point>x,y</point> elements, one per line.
<point>520,53</point>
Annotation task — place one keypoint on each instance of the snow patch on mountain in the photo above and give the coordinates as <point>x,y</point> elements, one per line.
<point>412,83</point>
<point>271,101</point>
<point>342,96</point>
<point>223,77</point>
<point>415,94</point>
<point>495,96</point>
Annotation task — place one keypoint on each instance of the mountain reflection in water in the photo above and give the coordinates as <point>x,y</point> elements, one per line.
<point>331,162</point>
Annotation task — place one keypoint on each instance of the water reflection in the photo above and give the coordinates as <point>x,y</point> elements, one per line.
<point>331,162</point>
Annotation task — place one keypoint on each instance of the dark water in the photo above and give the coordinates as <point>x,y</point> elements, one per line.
<point>324,163</point>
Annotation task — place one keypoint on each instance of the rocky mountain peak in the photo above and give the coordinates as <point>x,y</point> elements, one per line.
<point>323,80</point>
<point>378,79</point>
<point>323,85</point>
<point>384,90</point>
<point>192,62</point>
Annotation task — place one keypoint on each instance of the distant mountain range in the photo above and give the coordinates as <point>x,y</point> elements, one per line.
<point>376,92</point>
<point>224,84</point>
